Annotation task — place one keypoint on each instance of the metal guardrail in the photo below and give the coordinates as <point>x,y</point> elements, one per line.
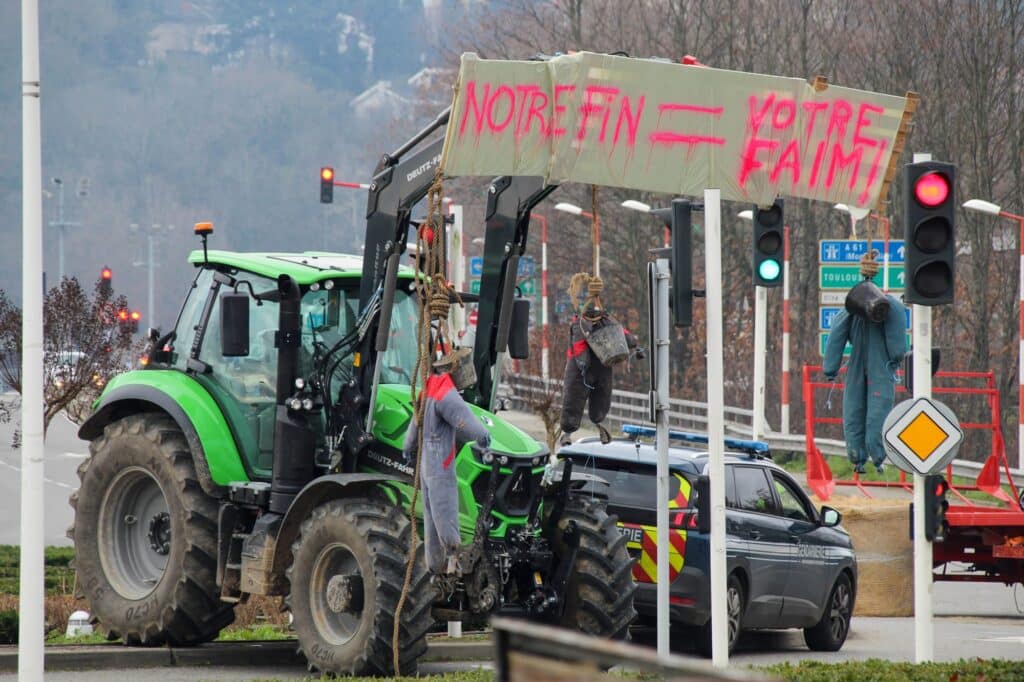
<point>629,407</point>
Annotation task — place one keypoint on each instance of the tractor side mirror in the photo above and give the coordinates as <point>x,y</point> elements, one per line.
<point>519,330</point>
<point>702,487</point>
<point>234,324</point>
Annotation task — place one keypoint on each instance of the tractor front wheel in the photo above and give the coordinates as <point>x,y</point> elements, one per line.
<point>145,536</point>
<point>599,596</point>
<point>346,578</point>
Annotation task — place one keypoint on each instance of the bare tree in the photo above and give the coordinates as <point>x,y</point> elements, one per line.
<point>87,339</point>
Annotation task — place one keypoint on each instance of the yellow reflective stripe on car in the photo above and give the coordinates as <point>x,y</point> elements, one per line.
<point>645,539</point>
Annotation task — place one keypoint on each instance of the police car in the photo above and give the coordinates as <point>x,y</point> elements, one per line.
<point>789,564</point>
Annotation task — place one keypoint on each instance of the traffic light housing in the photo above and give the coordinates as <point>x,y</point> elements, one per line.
<point>769,226</point>
<point>936,527</point>
<point>679,220</point>
<point>133,321</point>
<point>326,185</point>
<point>106,281</point>
<point>929,237</point>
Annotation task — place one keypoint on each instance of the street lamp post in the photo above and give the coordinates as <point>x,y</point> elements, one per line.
<point>545,367</point>
<point>61,225</point>
<point>152,240</point>
<point>989,208</point>
<point>576,210</point>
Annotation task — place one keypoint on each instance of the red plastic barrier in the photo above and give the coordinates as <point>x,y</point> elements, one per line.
<point>819,475</point>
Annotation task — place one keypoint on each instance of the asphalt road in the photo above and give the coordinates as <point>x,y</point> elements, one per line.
<point>64,452</point>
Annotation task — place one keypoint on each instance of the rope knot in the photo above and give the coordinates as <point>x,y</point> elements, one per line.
<point>869,267</point>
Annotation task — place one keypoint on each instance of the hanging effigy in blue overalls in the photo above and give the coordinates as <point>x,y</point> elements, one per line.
<point>875,326</point>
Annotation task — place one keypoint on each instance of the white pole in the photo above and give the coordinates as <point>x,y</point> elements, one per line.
<point>923,634</point>
<point>151,278</point>
<point>716,424</point>
<point>661,312</point>
<point>457,273</point>
<point>457,264</point>
<point>924,641</point>
<point>760,348</point>
<point>545,361</point>
<point>30,623</point>
<point>785,334</point>
<point>1020,355</point>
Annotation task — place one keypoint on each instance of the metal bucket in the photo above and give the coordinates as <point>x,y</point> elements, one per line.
<point>867,301</point>
<point>459,364</point>
<point>608,343</point>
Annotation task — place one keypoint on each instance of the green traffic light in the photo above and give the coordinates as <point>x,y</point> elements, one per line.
<point>769,270</point>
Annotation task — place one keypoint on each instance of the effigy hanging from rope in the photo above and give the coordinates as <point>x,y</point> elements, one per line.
<point>597,342</point>
<point>441,418</point>
<point>874,324</point>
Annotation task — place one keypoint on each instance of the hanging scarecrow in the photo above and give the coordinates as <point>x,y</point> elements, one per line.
<point>447,422</point>
<point>597,342</point>
<point>875,326</point>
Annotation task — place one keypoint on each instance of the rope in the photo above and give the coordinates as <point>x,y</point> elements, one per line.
<point>426,290</point>
<point>594,226</point>
<point>869,267</point>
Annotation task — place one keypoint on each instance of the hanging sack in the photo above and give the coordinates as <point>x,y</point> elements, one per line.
<point>867,301</point>
<point>459,364</point>
<point>607,341</point>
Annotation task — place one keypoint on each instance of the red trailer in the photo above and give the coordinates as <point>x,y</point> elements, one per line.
<point>985,542</point>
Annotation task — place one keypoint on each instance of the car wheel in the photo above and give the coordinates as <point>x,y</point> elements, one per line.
<point>830,632</point>
<point>735,604</point>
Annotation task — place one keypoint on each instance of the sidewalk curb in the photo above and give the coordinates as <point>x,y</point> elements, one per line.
<point>251,654</point>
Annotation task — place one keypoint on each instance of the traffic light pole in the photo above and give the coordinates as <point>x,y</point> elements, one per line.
<point>661,395</point>
<point>924,639</point>
<point>716,423</point>
<point>923,628</point>
<point>760,350</point>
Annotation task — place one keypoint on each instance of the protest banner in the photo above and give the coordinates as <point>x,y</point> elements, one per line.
<point>659,126</point>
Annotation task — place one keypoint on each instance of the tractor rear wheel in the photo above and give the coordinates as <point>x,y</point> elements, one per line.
<point>599,598</point>
<point>145,536</point>
<point>346,577</point>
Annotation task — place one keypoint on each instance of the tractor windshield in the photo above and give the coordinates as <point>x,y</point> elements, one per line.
<point>328,316</point>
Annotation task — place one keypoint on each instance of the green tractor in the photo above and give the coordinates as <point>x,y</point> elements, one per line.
<point>259,453</point>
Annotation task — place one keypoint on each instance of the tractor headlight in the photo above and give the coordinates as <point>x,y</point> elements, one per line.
<point>295,404</point>
<point>488,457</point>
<point>307,404</point>
<point>300,383</point>
<point>503,460</point>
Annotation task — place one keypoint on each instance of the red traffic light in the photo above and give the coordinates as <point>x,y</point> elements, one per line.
<point>106,273</point>
<point>136,316</point>
<point>931,189</point>
<point>122,315</point>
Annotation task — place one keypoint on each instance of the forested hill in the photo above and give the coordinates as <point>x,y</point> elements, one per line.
<point>186,110</point>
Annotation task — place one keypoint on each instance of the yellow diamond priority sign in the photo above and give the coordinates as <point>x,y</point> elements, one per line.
<point>921,436</point>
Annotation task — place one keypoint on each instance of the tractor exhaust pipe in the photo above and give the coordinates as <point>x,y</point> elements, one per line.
<point>293,438</point>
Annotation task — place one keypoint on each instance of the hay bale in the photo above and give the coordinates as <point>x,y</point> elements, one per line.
<point>885,555</point>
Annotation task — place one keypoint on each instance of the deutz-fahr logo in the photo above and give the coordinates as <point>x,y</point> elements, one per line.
<point>388,462</point>
<point>423,168</point>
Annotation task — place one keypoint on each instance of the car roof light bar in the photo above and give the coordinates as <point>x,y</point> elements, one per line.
<point>756,447</point>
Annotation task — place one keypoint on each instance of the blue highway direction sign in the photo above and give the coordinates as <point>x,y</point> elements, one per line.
<point>850,250</point>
